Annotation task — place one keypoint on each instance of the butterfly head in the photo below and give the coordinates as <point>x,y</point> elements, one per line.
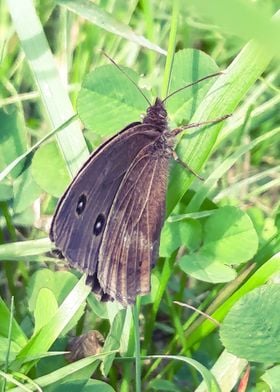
<point>156,115</point>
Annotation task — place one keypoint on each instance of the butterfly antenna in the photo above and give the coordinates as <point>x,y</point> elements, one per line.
<point>128,77</point>
<point>192,84</point>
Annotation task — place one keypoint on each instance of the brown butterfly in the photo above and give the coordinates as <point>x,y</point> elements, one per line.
<point>108,222</point>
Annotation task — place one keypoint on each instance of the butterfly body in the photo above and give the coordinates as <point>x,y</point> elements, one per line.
<point>108,222</point>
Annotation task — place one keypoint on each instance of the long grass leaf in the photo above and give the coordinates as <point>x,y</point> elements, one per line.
<point>103,19</point>
<point>214,177</point>
<point>52,91</point>
<point>43,340</point>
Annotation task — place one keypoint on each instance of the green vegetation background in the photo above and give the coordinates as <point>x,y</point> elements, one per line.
<point>220,243</point>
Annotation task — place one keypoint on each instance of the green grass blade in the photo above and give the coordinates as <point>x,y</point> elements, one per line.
<point>14,250</point>
<point>66,371</point>
<point>137,349</point>
<point>209,379</point>
<point>235,188</point>
<point>171,49</point>
<point>12,380</point>
<point>43,340</point>
<point>227,370</point>
<point>52,91</point>
<point>101,18</point>
<point>13,164</point>
<point>214,177</point>
<point>6,365</point>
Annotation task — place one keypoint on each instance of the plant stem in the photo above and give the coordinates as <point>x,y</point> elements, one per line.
<point>137,348</point>
<point>171,49</point>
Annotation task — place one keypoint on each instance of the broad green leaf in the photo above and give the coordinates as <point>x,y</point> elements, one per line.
<point>43,340</point>
<point>6,191</point>
<point>64,386</point>
<point>13,141</point>
<point>108,90</point>
<point>272,378</point>
<point>49,170</point>
<point>256,314</point>
<point>25,218</point>
<point>202,267</point>
<point>108,100</point>
<point>176,234</point>
<point>189,65</point>
<point>25,191</point>
<point>60,284</point>
<point>230,236</point>
<point>45,308</point>
<point>21,158</point>
<point>229,239</point>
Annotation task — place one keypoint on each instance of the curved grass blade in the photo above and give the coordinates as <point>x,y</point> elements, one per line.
<point>214,177</point>
<point>208,377</point>
<point>13,164</point>
<point>69,372</point>
<point>46,336</point>
<point>104,20</point>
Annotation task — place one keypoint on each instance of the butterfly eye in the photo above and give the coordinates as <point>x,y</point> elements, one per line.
<point>99,224</point>
<point>81,204</point>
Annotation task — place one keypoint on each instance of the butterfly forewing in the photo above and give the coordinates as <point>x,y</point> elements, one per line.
<point>82,214</point>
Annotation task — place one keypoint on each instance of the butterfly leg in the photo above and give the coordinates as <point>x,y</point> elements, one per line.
<point>176,131</point>
<point>58,254</point>
<point>185,165</point>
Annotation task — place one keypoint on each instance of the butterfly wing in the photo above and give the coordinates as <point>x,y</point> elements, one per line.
<point>82,214</point>
<point>131,238</point>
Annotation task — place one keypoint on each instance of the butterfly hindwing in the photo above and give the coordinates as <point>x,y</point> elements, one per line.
<point>131,237</point>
